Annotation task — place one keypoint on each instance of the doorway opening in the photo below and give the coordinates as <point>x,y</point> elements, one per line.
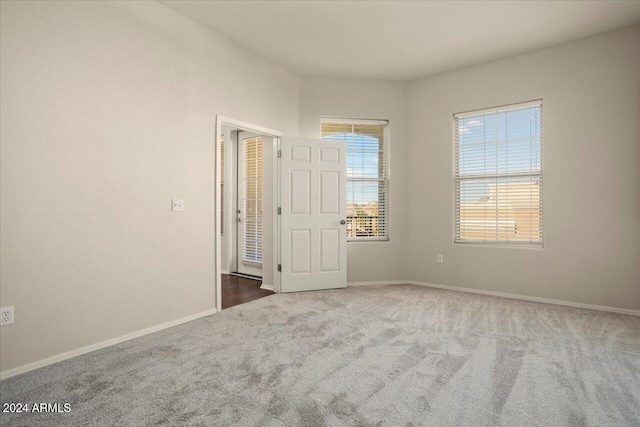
<point>246,191</point>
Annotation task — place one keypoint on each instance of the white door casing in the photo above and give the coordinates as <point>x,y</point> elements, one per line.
<point>313,201</point>
<point>270,258</point>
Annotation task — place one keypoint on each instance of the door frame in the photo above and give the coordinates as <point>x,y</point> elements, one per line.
<point>276,135</point>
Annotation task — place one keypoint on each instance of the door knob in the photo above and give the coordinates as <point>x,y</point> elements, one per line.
<point>343,222</point>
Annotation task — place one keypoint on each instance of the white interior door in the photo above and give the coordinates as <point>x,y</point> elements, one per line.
<point>313,220</point>
<point>249,213</point>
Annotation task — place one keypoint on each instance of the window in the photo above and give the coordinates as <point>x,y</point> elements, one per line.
<point>498,175</point>
<point>222,188</point>
<point>367,175</point>
<point>251,200</point>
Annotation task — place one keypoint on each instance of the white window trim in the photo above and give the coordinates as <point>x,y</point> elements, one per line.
<point>351,121</point>
<point>348,121</point>
<point>500,245</point>
<point>242,194</point>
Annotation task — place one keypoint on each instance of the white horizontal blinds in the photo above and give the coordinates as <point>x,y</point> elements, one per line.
<point>252,202</point>
<point>498,175</point>
<point>222,188</point>
<point>367,176</point>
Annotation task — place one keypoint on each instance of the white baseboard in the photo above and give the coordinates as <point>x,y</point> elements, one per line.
<point>267,287</point>
<point>97,346</point>
<point>528,298</point>
<point>379,283</point>
<point>224,272</point>
<point>503,295</point>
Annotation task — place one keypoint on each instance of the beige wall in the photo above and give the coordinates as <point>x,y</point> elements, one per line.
<point>591,123</point>
<point>366,99</point>
<point>108,112</point>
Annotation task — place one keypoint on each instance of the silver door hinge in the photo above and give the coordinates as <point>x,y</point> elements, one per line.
<point>279,267</point>
<point>279,211</point>
<point>279,153</point>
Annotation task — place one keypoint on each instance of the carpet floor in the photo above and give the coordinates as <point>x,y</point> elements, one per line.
<point>379,355</point>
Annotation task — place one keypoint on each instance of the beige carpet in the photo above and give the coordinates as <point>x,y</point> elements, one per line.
<point>387,355</point>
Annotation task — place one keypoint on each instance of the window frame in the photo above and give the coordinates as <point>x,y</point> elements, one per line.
<point>222,181</point>
<point>537,245</point>
<point>387,168</point>
<point>242,196</point>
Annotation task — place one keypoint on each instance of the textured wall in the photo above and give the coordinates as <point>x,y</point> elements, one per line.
<point>366,99</point>
<point>108,111</point>
<point>591,123</point>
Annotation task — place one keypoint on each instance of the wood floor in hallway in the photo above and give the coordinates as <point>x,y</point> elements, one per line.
<point>238,290</point>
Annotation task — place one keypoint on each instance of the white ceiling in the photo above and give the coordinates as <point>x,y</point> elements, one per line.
<point>402,40</point>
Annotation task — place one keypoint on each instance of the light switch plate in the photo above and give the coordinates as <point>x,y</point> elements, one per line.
<point>177,205</point>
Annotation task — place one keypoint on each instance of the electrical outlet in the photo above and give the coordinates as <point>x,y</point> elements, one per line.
<point>6,316</point>
<point>440,259</point>
<point>177,205</point>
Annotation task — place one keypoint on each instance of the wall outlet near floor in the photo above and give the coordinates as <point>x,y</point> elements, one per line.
<point>6,316</point>
<point>177,205</point>
<point>440,259</point>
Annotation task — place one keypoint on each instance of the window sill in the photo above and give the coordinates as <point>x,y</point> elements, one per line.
<point>368,239</point>
<point>252,263</point>
<point>533,246</point>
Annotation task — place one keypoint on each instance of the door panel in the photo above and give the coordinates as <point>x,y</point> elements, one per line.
<point>313,196</point>
<point>330,192</point>
<point>300,184</point>
<point>301,252</point>
<point>329,249</point>
<point>249,217</point>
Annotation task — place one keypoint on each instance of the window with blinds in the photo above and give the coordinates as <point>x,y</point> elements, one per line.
<point>367,175</point>
<point>222,188</point>
<point>498,175</point>
<point>252,201</point>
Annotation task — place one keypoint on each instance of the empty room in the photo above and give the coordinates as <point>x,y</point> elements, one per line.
<point>319,213</point>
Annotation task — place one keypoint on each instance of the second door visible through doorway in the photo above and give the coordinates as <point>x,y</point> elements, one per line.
<point>249,213</point>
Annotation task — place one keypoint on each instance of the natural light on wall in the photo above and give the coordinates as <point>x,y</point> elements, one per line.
<point>498,175</point>
<point>367,175</point>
